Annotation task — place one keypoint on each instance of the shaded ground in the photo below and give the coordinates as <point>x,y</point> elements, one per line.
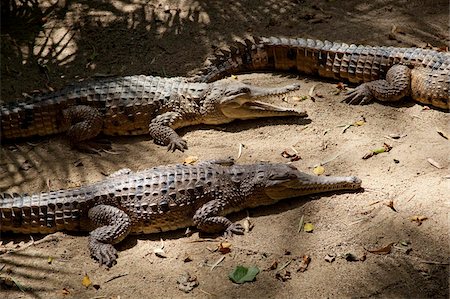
<point>79,39</point>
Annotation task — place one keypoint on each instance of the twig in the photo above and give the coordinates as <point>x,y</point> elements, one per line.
<point>217,263</point>
<point>434,263</point>
<point>207,293</point>
<point>115,277</point>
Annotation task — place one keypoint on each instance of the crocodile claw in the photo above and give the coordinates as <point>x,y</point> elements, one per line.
<point>234,229</point>
<point>177,144</point>
<point>105,254</point>
<point>360,95</point>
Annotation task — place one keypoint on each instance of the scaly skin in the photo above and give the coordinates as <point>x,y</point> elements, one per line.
<point>138,105</point>
<point>161,199</point>
<point>386,73</point>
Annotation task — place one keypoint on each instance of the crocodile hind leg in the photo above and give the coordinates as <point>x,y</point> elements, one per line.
<point>84,124</point>
<point>207,220</point>
<point>162,133</point>
<point>396,86</point>
<point>114,225</point>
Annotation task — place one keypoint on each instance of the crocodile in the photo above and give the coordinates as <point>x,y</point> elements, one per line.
<point>386,74</point>
<point>136,105</point>
<point>161,199</point>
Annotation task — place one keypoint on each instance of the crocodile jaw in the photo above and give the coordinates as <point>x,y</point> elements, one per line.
<point>244,108</point>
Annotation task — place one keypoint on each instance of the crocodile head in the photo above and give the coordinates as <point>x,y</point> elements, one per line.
<point>229,99</point>
<point>280,181</point>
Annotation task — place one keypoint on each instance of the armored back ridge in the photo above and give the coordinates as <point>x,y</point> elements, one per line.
<point>138,105</point>
<point>161,199</point>
<point>420,73</point>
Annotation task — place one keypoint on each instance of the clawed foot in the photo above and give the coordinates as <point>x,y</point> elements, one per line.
<point>105,254</point>
<point>94,146</point>
<point>360,95</point>
<point>177,144</point>
<point>234,229</point>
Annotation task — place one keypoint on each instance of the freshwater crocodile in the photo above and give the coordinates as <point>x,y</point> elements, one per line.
<point>386,73</point>
<point>138,105</point>
<point>161,199</point>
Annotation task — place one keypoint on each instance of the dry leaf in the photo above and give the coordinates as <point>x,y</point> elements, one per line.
<point>308,227</point>
<point>224,247</point>
<point>319,169</point>
<point>384,250</point>
<point>419,219</point>
<point>86,281</point>
<point>390,204</point>
<point>434,163</point>
<point>65,291</point>
<point>359,123</point>
<point>234,77</point>
<point>304,263</point>
<point>273,266</point>
<point>248,226</point>
<point>190,160</point>
<point>283,276</point>
<point>330,258</point>
<point>341,86</point>
<point>50,260</point>
<point>292,155</point>
<point>186,283</point>
<point>159,252</point>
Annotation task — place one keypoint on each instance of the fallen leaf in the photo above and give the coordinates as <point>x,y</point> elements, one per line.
<point>283,276</point>
<point>390,204</point>
<point>319,170</point>
<point>224,247</point>
<point>190,160</point>
<point>50,260</point>
<point>383,250</point>
<point>186,282</point>
<point>159,252</point>
<point>386,148</point>
<point>248,226</point>
<point>350,257</point>
<point>434,163</point>
<point>273,266</point>
<point>86,281</point>
<point>304,263</point>
<point>65,291</point>
<point>234,77</point>
<point>330,258</point>
<point>300,223</point>
<point>359,123</point>
<point>418,219</point>
<point>292,156</point>
<point>308,227</point>
<point>78,163</point>
<point>341,86</point>
<point>243,274</point>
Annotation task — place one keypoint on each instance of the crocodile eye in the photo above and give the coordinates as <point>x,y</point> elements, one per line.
<point>281,176</point>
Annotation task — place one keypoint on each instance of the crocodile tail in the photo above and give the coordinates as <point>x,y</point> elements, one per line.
<point>42,213</point>
<point>40,115</point>
<point>340,61</point>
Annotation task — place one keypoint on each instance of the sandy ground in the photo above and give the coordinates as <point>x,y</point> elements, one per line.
<point>76,39</point>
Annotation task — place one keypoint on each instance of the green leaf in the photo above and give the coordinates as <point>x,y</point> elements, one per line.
<point>243,274</point>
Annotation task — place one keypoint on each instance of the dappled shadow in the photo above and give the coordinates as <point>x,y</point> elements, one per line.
<point>55,43</point>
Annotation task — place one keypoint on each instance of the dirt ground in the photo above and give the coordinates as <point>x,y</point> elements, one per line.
<point>59,42</point>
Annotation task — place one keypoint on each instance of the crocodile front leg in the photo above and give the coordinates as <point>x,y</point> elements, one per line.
<point>114,225</point>
<point>162,133</point>
<point>396,86</point>
<point>206,219</point>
